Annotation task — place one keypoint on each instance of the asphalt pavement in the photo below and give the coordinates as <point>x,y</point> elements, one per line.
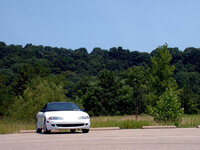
<point>144,139</point>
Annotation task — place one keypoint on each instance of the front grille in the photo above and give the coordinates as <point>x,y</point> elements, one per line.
<point>69,125</point>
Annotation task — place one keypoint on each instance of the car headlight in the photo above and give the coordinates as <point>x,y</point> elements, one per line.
<point>84,117</point>
<point>55,118</point>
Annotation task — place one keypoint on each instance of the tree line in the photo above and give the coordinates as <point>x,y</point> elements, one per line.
<point>104,82</point>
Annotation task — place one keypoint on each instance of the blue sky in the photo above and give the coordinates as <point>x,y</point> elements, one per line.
<point>139,25</point>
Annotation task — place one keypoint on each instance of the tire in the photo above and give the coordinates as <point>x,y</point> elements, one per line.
<point>46,131</point>
<point>72,130</point>
<point>38,130</point>
<point>85,130</point>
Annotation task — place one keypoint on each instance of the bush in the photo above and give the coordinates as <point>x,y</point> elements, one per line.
<point>167,109</point>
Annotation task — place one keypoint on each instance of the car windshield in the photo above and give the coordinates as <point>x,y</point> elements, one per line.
<point>62,107</point>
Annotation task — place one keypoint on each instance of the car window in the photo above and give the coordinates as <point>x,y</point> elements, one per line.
<point>62,107</point>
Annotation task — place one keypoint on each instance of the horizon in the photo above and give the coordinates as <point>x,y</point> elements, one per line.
<point>99,47</point>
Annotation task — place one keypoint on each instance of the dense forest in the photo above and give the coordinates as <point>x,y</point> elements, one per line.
<point>101,82</point>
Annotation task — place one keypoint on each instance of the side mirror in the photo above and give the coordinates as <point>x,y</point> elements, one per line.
<point>43,110</point>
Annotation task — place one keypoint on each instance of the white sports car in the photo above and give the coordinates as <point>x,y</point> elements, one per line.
<point>62,115</point>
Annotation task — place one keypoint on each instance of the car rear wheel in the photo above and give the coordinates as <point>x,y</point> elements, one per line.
<point>85,130</point>
<point>38,130</point>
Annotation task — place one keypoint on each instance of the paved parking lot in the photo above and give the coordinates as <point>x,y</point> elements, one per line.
<point>155,139</point>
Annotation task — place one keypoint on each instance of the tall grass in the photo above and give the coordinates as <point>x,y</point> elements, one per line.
<point>124,122</point>
<point>13,126</point>
<point>189,121</point>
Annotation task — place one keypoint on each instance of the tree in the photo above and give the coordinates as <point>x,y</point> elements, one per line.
<point>25,73</point>
<point>161,71</point>
<point>92,101</point>
<point>108,84</point>
<point>189,100</point>
<point>39,92</point>
<point>167,108</point>
<point>137,80</point>
<point>125,102</point>
<point>80,90</point>
<point>192,58</point>
<point>101,96</point>
<point>189,83</point>
<point>164,93</point>
<point>6,95</point>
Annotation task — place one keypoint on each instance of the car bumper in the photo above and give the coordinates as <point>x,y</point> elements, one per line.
<point>59,125</point>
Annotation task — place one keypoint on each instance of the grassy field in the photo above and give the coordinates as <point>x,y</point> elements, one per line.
<point>189,121</point>
<point>124,122</point>
<point>10,126</point>
<point>130,122</point>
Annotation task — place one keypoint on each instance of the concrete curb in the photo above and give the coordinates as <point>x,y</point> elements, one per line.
<point>27,131</point>
<point>91,129</point>
<point>106,128</point>
<point>158,127</point>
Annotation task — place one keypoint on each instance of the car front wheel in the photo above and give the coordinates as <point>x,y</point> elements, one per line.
<point>72,130</point>
<point>38,130</point>
<point>85,130</point>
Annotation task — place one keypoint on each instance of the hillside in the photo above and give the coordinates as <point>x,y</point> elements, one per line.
<point>22,69</point>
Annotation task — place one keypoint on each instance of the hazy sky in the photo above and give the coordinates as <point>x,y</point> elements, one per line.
<point>139,25</point>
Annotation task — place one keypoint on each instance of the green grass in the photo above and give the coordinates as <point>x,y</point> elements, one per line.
<point>189,121</point>
<point>12,126</point>
<point>124,122</point>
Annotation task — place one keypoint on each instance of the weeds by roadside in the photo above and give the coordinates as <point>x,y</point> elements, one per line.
<point>124,122</point>
<point>12,126</point>
<point>189,121</point>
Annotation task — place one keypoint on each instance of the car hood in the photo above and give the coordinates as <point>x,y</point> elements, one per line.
<point>66,115</point>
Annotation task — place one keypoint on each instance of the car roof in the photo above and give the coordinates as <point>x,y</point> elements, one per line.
<point>59,103</point>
